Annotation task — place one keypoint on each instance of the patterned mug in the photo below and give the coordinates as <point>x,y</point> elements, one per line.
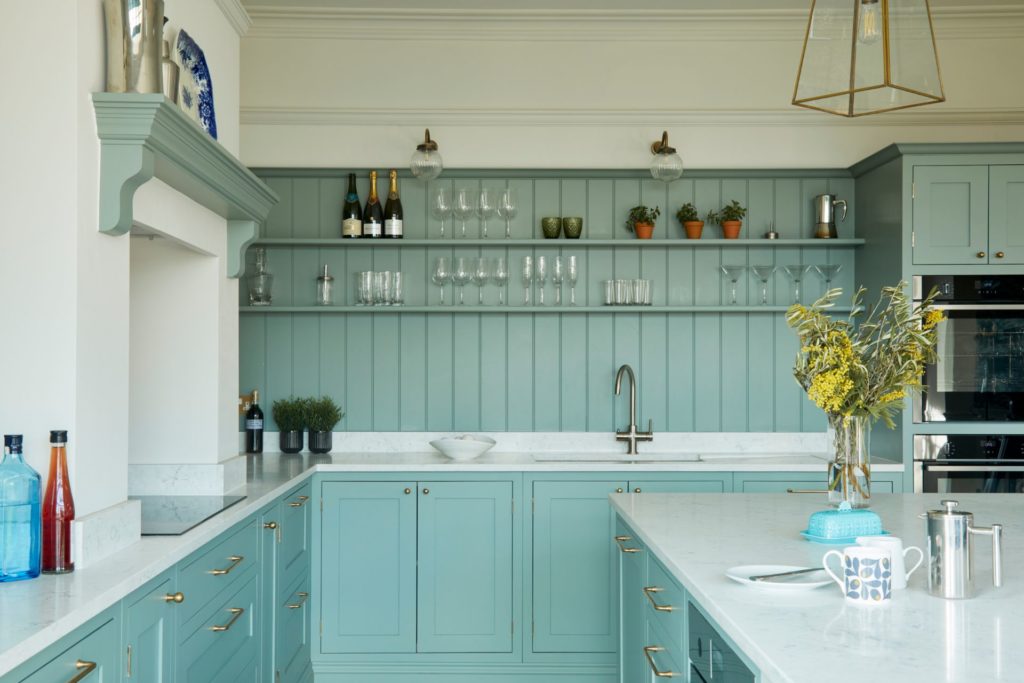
<point>866,574</point>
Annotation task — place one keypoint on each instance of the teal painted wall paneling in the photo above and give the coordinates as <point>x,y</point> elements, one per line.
<point>413,361</point>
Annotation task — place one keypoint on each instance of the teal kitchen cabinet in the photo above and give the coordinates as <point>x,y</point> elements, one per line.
<point>90,653</point>
<point>417,567</point>
<point>292,634</point>
<point>783,482</point>
<point>950,209</point>
<point>150,615</point>
<point>224,644</point>
<point>713,482</point>
<point>1006,214</point>
<point>632,626</point>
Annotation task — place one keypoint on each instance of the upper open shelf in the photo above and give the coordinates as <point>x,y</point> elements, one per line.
<point>147,136</point>
<point>501,242</point>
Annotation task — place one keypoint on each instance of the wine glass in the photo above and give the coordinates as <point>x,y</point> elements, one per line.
<point>507,208</point>
<point>481,275</point>
<point>463,206</point>
<point>442,274</point>
<point>441,204</point>
<point>764,274</point>
<point>485,206</point>
<point>542,275</point>
<point>733,273</point>
<point>527,278</point>
<point>500,277</point>
<point>461,276</point>
<point>828,272</point>
<point>796,274</point>
<point>572,274</point>
<point>557,275</point>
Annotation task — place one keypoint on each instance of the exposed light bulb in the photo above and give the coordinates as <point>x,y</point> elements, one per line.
<point>870,30</point>
<point>426,163</point>
<point>666,164</point>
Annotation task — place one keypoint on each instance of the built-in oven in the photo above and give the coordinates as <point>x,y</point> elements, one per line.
<point>979,374</point>
<point>968,463</point>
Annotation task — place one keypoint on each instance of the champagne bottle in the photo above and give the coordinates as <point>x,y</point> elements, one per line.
<point>351,214</point>
<point>373,215</point>
<point>393,209</point>
<point>254,426</point>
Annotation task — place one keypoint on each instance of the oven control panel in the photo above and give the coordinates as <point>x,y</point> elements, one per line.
<point>969,447</point>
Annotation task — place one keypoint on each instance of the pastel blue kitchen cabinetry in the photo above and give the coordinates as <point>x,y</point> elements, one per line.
<point>1006,214</point>
<point>223,645</point>
<point>950,214</point>
<point>781,482</point>
<point>632,626</point>
<point>150,618</point>
<point>91,654</point>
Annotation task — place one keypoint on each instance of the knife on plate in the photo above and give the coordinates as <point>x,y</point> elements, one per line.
<point>769,577</point>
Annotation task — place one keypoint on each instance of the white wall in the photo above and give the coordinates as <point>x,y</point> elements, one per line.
<point>545,88</point>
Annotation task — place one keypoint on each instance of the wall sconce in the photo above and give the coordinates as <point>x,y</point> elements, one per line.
<point>426,161</point>
<point>666,164</point>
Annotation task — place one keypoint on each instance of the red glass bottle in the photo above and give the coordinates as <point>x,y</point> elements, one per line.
<point>58,509</point>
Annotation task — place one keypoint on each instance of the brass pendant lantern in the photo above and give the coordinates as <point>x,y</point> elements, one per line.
<point>868,56</point>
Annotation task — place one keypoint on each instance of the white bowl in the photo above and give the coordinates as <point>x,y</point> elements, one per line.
<point>465,447</point>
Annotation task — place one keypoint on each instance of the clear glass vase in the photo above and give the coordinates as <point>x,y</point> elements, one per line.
<point>849,472</point>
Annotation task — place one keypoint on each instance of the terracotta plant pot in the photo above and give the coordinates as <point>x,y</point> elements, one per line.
<point>644,231</point>
<point>693,229</point>
<point>731,229</point>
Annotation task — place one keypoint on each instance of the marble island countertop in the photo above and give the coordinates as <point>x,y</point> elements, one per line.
<point>797,637</point>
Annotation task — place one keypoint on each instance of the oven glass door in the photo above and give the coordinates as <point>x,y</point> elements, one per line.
<point>979,374</point>
<point>972,478</point>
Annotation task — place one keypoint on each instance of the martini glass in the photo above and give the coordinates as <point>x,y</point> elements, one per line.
<point>733,273</point>
<point>796,275</point>
<point>828,272</point>
<point>764,274</point>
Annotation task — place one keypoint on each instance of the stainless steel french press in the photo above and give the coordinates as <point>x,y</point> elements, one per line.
<point>951,551</point>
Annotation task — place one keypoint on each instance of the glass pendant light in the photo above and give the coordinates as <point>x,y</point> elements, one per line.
<point>666,164</point>
<point>868,56</point>
<point>426,161</point>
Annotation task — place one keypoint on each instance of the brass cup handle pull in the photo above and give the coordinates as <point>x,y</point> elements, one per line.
<point>1000,254</point>
<point>298,502</point>
<point>236,613</point>
<point>621,540</point>
<point>649,651</point>
<point>302,601</point>
<point>805,491</point>
<point>235,561</point>
<point>270,525</point>
<point>84,669</point>
<point>981,254</point>
<point>649,591</point>
<point>176,598</point>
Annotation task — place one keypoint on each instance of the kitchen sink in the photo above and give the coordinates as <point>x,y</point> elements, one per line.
<point>617,457</point>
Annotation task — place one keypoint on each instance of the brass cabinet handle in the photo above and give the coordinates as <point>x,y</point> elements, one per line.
<point>176,598</point>
<point>236,612</point>
<point>235,561</point>
<point>270,525</point>
<point>649,592</point>
<point>426,492</point>
<point>805,491</point>
<point>637,490</point>
<point>648,652</point>
<point>618,490</point>
<point>302,601</point>
<point>84,669</point>
<point>621,540</point>
<point>408,491</point>
<point>981,254</point>
<point>1000,254</point>
<point>299,503</point>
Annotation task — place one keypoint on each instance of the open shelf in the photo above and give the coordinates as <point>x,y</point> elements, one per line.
<point>540,242</point>
<point>520,309</point>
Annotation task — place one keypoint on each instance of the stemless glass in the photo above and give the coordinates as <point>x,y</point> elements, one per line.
<point>382,283</point>
<point>364,288</point>
<point>542,274</point>
<point>463,206</point>
<point>796,274</point>
<point>441,204</point>
<point>481,275</point>
<point>527,278</point>
<point>557,275</point>
<point>764,274</point>
<point>500,277</point>
<point>442,274</point>
<point>572,274</point>
<point>507,208</point>
<point>485,206</point>
<point>733,273</point>
<point>460,276</point>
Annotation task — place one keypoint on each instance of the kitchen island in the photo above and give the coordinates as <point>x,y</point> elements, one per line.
<point>814,636</point>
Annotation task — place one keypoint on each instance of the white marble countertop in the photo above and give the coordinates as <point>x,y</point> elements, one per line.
<point>814,636</point>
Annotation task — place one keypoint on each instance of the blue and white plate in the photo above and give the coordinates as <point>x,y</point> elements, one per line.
<point>196,85</point>
<point>849,540</point>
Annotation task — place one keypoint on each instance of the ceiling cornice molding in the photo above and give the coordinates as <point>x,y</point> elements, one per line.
<point>236,14</point>
<point>300,116</point>
<point>589,25</point>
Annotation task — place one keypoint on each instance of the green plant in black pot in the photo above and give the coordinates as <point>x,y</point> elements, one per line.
<point>641,221</point>
<point>290,416</point>
<point>322,414</point>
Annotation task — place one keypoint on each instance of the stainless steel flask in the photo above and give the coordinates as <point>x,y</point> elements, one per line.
<point>951,551</point>
<point>825,215</point>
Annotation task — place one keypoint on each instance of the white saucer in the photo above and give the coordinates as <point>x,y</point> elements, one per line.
<point>801,582</point>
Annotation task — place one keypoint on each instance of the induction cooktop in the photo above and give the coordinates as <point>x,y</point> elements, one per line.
<point>174,515</point>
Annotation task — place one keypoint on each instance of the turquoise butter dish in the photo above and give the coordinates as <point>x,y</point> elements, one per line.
<point>842,526</point>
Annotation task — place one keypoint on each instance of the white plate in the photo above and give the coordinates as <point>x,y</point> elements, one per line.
<point>802,582</point>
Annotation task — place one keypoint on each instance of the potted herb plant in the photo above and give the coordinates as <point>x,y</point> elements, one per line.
<point>692,224</point>
<point>641,221</point>
<point>290,416</point>
<point>322,414</point>
<point>730,218</point>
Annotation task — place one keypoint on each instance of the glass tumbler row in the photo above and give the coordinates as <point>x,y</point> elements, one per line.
<point>379,288</point>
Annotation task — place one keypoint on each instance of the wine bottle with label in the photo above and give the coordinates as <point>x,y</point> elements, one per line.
<point>373,214</point>
<point>351,213</point>
<point>254,426</point>
<point>393,209</point>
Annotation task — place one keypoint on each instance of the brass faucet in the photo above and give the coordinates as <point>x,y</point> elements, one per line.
<point>632,436</point>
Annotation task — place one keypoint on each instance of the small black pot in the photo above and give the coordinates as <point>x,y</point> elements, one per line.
<point>291,441</point>
<point>320,442</point>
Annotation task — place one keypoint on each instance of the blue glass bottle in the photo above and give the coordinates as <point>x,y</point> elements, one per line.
<point>19,514</point>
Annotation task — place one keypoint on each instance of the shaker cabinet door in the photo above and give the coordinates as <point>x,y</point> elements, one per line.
<point>632,570</point>
<point>149,618</point>
<point>950,208</point>
<point>1006,215</point>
